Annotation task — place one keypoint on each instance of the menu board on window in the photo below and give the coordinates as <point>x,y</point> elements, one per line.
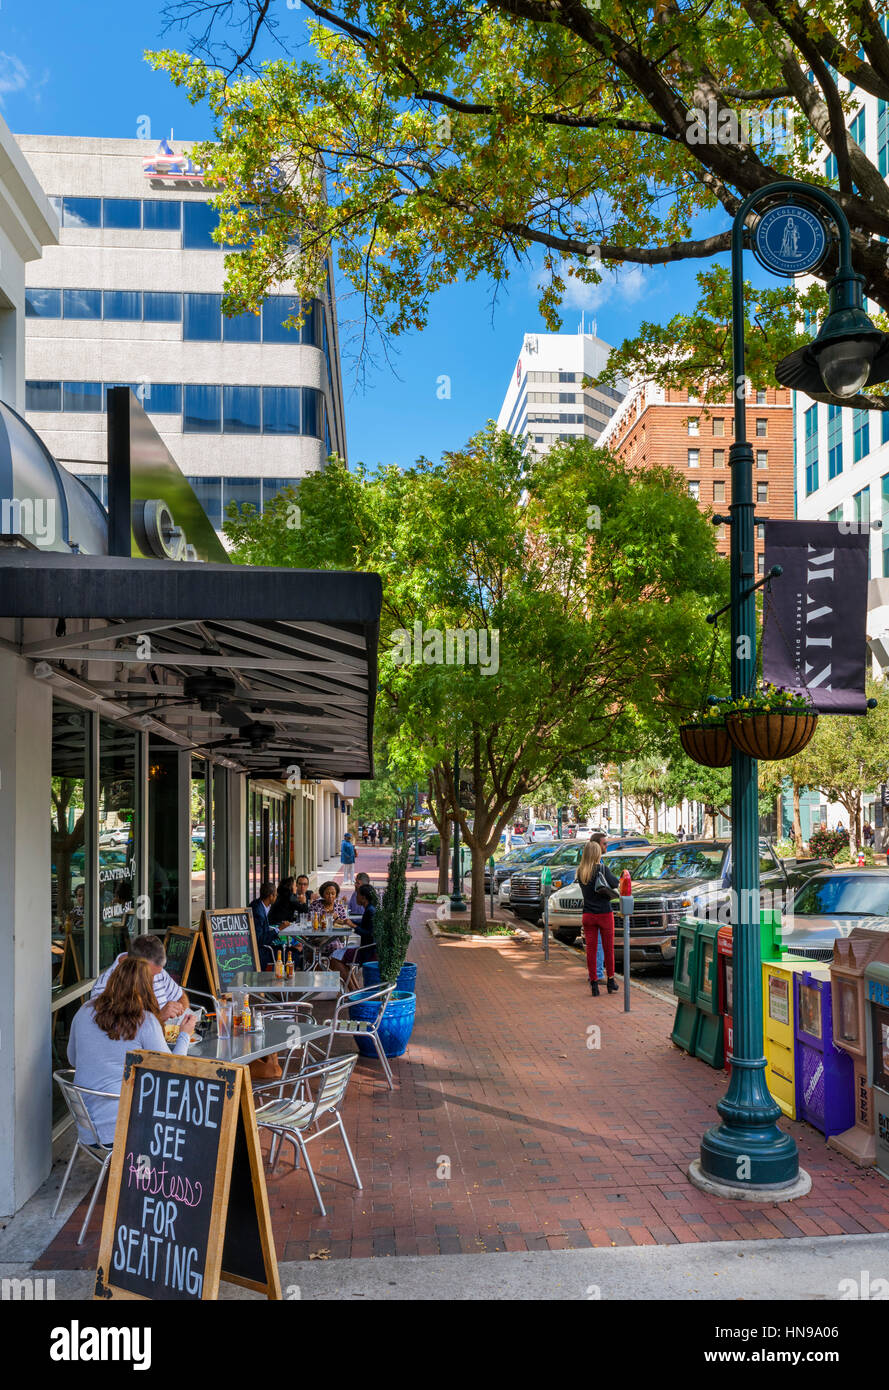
<point>187,1202</point>
<point>231,943</point>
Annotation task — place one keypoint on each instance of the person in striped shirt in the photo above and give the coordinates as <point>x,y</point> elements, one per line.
<point>171,998</point>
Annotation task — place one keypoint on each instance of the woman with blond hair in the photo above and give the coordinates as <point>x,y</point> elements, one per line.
<point>123,1018</point>
<point>598,886</point>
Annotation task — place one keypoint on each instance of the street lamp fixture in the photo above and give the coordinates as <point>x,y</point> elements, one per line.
<point>849,352</point>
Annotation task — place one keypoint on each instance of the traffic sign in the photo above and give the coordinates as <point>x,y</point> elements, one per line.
<point>790,239</point>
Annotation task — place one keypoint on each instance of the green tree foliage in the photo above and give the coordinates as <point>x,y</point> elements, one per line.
<point>600,632</point>
<point>428,142</point>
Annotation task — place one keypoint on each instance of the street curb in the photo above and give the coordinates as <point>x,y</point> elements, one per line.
<point>517,934</point>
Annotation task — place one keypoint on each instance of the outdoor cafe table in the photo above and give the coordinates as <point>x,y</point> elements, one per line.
<point>279,1035</point>
<point>302,983</point>
<point>316,937</point>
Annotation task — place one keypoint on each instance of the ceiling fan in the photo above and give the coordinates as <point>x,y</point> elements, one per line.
<point>211,692</point>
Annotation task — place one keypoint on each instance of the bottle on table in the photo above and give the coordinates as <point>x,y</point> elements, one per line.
<point>279,966</point>
<point>290,967</point>
<point>247,1015</point>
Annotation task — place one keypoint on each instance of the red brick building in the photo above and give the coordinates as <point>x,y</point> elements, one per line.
<point>655,426</point>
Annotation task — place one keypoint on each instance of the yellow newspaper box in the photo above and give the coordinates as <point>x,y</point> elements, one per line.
<point>778,1029</point>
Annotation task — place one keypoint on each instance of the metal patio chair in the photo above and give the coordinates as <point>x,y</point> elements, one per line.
<point>288,1118</point>
<point>342,1026</point>
<point>75,1099</point>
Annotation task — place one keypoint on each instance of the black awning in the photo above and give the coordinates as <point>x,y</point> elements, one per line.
<point>272,667</point>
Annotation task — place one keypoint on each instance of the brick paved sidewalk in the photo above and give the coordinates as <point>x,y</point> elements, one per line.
<point>550,1144</point>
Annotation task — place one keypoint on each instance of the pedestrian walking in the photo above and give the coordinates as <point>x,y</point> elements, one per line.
<point>598,886</point>
<point>364,834</point>
<point>373,834</point>
<point>348,855</point>
<point>680,833</point>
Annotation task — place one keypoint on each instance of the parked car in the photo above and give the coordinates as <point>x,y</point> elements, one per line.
<point>524,854</point>
<point>690,878</point>
<point>541,831</point>
<point>526,881</point>
<point>829,905</point>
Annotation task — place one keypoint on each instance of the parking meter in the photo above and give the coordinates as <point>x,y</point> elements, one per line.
<point>491,871</point>
<point>626,911</point>
<point>546,882</point>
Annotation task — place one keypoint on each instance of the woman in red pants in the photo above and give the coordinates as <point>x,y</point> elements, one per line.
<point>598,886</point>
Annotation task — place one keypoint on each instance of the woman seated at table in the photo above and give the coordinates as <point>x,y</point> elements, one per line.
<point>281,910</point>
<point>302,898</point>
<point>123,1018</point>
<point>343,959</point>
<point>328,904</point>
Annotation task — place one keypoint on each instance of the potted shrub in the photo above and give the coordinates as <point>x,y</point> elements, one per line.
<point>392,934</point>
<point>706,740</point>
<point>771,723</point>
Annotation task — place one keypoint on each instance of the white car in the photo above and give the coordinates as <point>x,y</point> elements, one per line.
<point>503,892</point>
<point>540,831</point>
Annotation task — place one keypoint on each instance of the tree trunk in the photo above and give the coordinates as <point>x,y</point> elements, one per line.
<point>478,906</point>
<point>444,859</point>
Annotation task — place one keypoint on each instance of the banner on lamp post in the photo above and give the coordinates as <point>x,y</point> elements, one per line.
<point>815,617</point>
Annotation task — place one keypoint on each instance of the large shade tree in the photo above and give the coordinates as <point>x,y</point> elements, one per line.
<point>424,141</point>
<point>593,638</point>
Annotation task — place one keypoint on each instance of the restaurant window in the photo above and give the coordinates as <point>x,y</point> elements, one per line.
<point>161,306</point>
<point>117,840</point>
<point>70,896</point>
<point>163,834</point>
<point>219,891</point>
<point>202,318</point>
<point>161,214</point>
<point>81,212</point>
<point>200,837</point>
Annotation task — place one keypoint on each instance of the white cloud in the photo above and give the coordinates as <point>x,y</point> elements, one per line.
<point>14,76</point>
<point>624,283</point>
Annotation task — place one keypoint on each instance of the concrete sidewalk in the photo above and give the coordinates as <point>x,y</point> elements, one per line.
<point>818,1269</point>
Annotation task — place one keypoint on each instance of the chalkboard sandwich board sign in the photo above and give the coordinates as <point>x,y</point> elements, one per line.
<point>187,1202</point>
<point>187,961</point>
<point>231,943</point>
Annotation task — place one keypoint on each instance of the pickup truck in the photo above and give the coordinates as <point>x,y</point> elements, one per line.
<point>692,878</point>
<point>526,887</point>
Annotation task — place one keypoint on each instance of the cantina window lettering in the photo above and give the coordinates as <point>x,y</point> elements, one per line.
<point>152,1250</point>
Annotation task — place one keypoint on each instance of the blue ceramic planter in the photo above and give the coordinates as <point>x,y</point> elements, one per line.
<point>407,976</point>
<point>398,1023</point>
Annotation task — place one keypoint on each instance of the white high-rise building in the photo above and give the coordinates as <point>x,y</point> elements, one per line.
<point>546,400</point>
<point>132,295</point>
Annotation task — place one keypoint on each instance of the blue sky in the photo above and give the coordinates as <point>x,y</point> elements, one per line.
<point>78,70</point>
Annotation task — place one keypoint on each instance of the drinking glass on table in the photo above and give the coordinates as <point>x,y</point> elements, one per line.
<point>224,1018</point>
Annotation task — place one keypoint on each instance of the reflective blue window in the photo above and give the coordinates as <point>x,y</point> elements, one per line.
<point>242,493</point>
<point>209,493</point>
<point>275,310</point>
<point>199,221</point>
<point>97,484</point>
<point>82,304</point>
<point>202,318</point>
<point>162,397</point>
<point>43,304</point>
<point>122,213</point>
<point>241,410</point>
<point>56,205</point>
<point>313,412</point>
<point>272,486</point>
<point>281,410</point>
<point>81,212</point>
<point>161,306</point>
<point>811,427</point>
<point>83,395</point>
<point>43,395</point>
<point>161,214</point>
<point>884,426</point>
<point>860,434</point>
<point>203,406</point>
<point>241,328</point>
<point>122,304</point>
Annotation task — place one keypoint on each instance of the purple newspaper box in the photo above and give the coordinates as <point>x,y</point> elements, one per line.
<point>825,1074</point>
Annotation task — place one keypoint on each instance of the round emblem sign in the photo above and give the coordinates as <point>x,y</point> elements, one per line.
<point>790,240</point>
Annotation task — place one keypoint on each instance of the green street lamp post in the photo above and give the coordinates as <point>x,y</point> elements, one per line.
<point>417,862</point>
<point>747,1155</point>
<point>457,902</point>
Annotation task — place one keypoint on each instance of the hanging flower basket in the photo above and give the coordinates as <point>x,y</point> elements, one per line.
<point>771,724</point>
<point>707,743</point>
<point>771,735</point>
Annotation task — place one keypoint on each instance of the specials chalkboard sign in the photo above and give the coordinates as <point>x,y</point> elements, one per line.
<point>187,1203</point>
<point>231,943</point>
